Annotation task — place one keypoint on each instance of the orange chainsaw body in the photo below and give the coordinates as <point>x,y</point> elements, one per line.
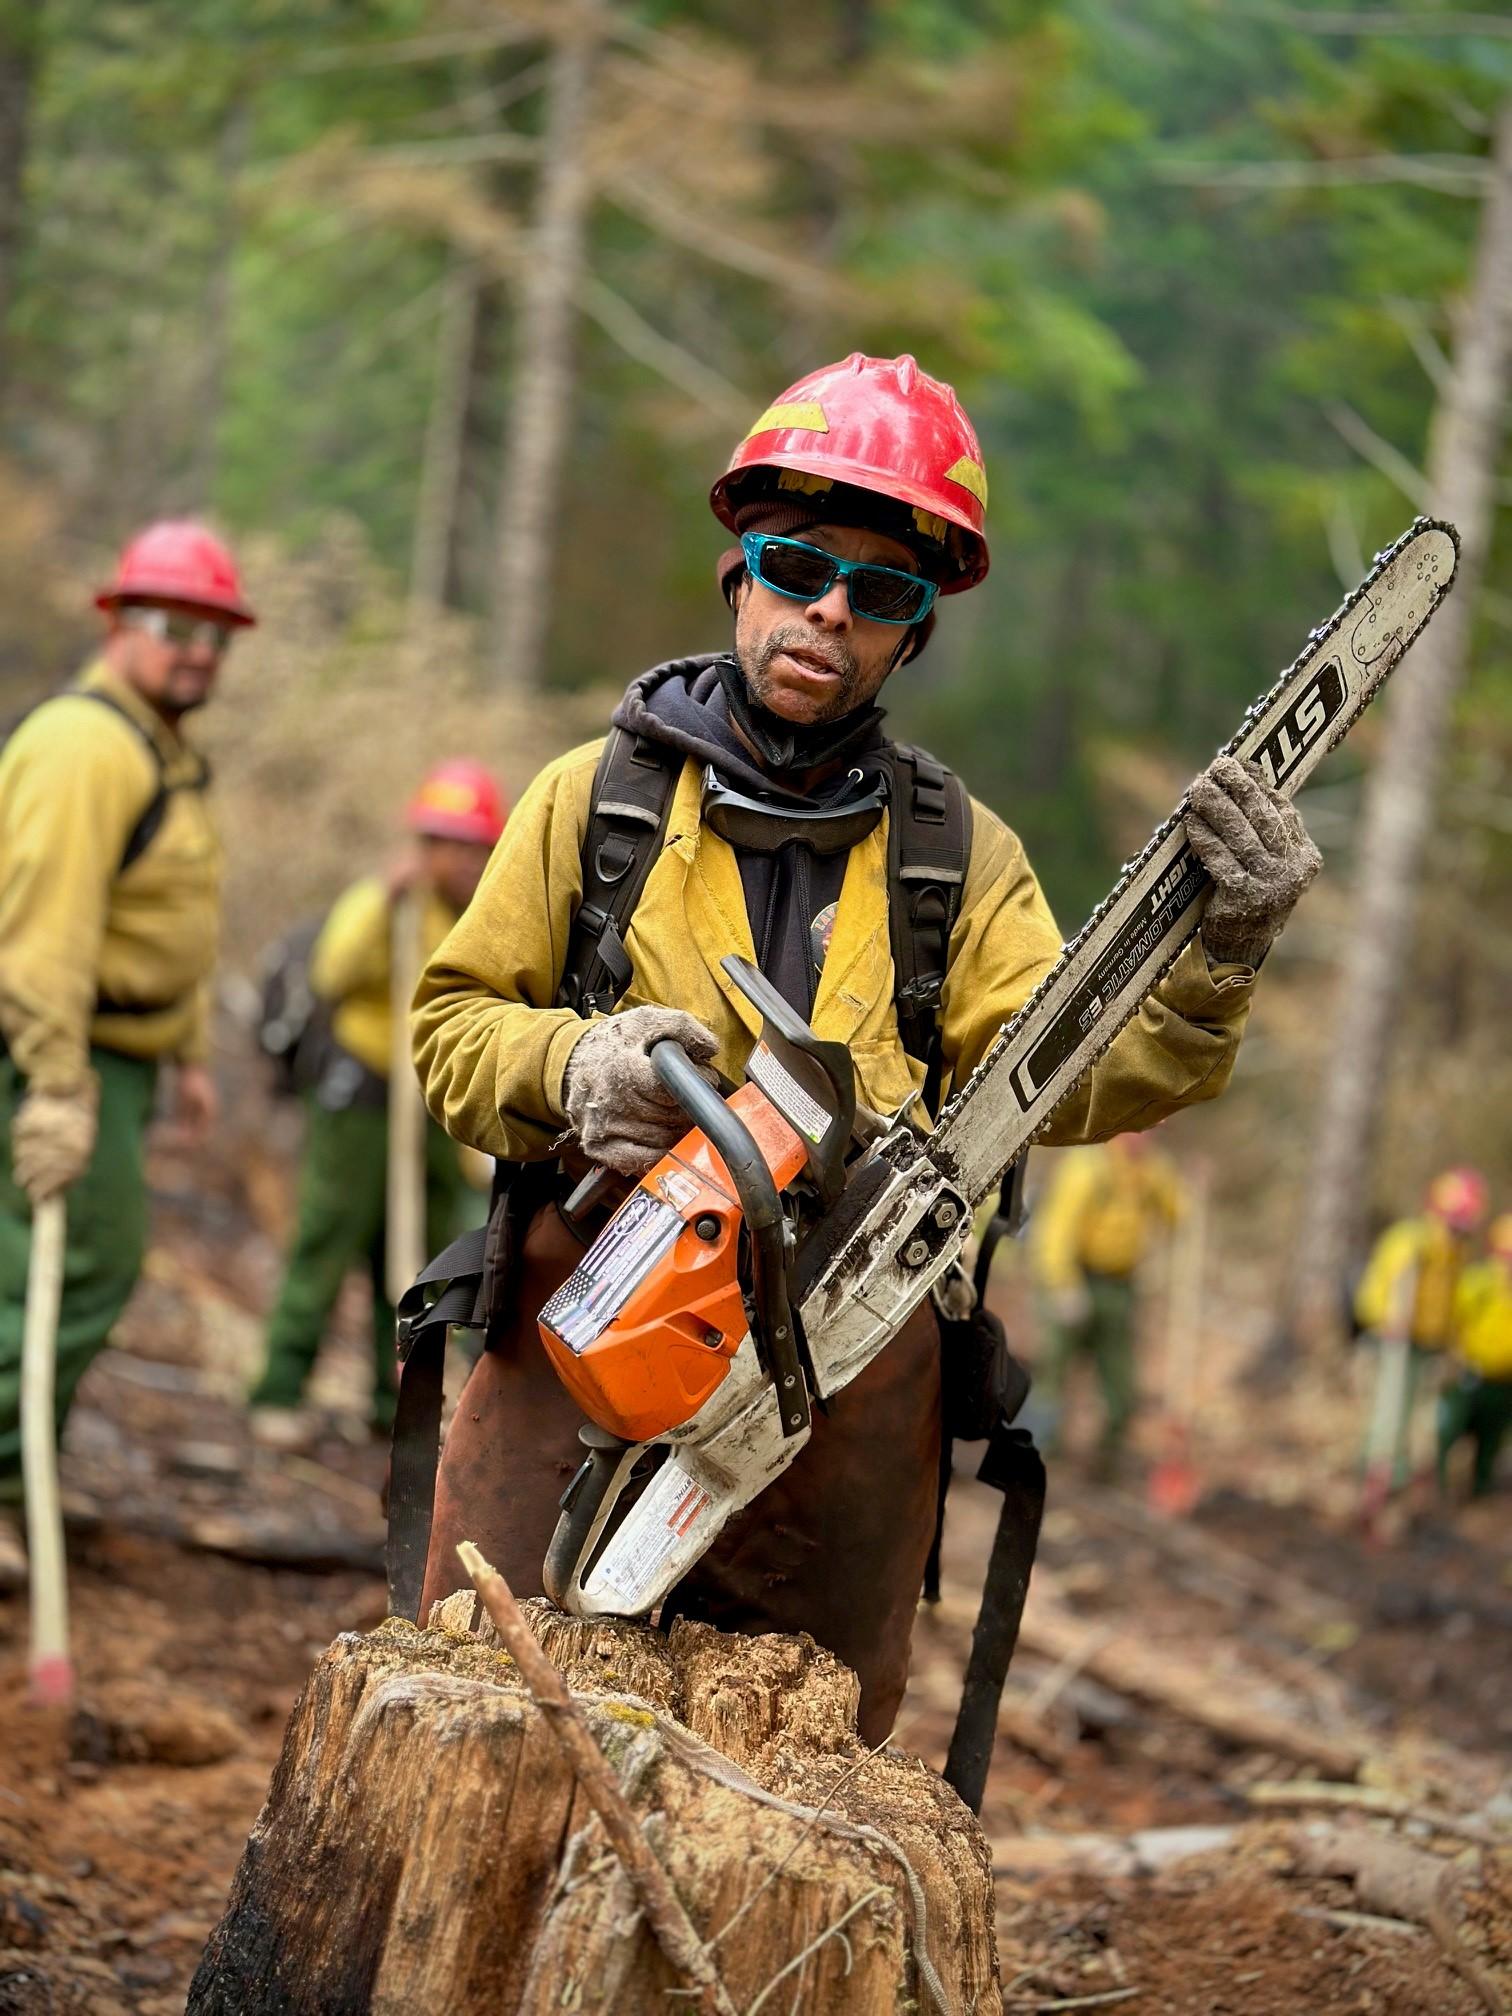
<point>645,1329</point>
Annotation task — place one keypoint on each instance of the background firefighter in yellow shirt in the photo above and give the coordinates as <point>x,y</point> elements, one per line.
<point>1406,1301</point>
<point>456,816</point>
<point>1478,1401</point>
<point>1104,1212</point>
<point>109,912</point>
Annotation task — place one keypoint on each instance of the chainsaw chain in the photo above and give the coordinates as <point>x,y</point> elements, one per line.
<point>1130,869</point>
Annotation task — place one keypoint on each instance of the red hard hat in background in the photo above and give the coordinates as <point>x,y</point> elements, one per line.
<point>879,424</point>
<point>1459,1197</point>
<point>178,561</point>
<point>458,800</point>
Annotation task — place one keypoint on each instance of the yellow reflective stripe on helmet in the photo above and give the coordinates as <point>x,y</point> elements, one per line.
<point>801,481</point>
<point>807,416</point>
<point>971,476</point>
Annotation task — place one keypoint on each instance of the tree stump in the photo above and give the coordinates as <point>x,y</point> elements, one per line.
<point>424,1845</point>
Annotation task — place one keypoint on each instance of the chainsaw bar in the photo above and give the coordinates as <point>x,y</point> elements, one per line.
<point>1109,969</point>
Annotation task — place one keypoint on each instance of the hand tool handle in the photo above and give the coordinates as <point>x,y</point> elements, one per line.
<point>51,1668</point>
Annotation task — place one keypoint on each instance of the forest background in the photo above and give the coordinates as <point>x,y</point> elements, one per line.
<point>449,311</point>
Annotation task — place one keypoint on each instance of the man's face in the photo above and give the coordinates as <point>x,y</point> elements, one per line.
<point>454,868</point>
<point>818,661</point>
<point>172,675</point>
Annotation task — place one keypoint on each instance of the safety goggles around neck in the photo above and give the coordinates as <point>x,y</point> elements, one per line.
<point>171,626</point>
<point>757,827</point>
<point>806,573</point>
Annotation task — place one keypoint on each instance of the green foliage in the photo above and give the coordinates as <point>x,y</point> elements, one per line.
<point>231,289</point>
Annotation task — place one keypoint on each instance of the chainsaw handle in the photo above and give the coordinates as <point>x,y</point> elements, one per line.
<point>761,1207</point>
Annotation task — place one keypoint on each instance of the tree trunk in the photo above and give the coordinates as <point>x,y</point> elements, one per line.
<point>215,342</point>
<point>438,506</point>
<point>540,407</point>
<point>424,1844</point>
<point>20,44</point>
<point>1462,467</point>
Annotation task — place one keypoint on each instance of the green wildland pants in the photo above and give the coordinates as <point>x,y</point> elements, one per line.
<point>1106,1336</point>
<point>107,1236</point>
<point>1482,1409</point>
<point>343,1181</point>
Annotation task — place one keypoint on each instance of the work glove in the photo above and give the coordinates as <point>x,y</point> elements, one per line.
<point>622,1113</point>
<point>52,1139</point>
<point>1252,842</point>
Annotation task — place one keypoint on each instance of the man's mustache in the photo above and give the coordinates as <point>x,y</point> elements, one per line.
<point>793,637</point>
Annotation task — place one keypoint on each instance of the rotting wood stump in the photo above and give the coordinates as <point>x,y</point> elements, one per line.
<point>424,1844</point>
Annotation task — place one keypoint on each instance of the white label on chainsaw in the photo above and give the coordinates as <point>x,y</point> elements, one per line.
<point>799,1108</point>
<point>640,1232</point>
<point>668,1510</point>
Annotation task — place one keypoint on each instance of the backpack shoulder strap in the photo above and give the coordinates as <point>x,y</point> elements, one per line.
<point>627,818</point>
<point>142,834</point>
<point>928,848</point>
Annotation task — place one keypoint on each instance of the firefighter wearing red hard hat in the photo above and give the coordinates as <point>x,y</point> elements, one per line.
<point>109,910</point>
<point>750,802</point>
<point>1407,1295</point>
<point>454,818</point>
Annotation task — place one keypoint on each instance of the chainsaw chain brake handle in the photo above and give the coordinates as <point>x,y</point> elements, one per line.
<point>812,1083</point>
<point>761,1208</point>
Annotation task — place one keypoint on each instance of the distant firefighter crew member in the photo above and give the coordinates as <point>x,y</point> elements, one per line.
<point>455,817</point>
<point>109,912</point>
<point>1103,1214</point>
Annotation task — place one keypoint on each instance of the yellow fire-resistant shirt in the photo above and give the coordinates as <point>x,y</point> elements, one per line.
<point>1102,1213</point>
<point>1418,1258</point>
<point>352,964</point>
<point>88,954</point>
<point>492,1049</point>
<point>1483,1319</point>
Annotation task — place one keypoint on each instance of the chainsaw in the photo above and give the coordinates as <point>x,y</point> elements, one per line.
<point>784,1241</point>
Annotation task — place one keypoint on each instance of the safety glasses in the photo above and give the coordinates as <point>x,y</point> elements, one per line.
<point>807,573</point>
<point>171,626</point>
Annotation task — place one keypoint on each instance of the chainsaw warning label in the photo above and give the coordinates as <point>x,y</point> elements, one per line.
<point>643,1229</point>
<point>799,1108</point>
<point>670,1509</point>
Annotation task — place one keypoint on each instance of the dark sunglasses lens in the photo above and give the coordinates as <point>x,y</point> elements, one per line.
<point>890,597</point>
<point>796,570</point>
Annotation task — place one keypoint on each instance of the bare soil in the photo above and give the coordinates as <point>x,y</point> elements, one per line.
<point>121,1823</point>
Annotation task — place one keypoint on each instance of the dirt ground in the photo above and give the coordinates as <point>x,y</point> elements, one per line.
<point>206,1577</point>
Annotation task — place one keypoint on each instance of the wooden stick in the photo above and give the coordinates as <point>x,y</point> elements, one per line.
<point>674,1930</point>
<point>1372,1799</point>
<point>51,1668</point>
<point>404,1226</point>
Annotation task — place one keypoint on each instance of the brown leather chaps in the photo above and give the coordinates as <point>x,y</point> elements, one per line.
<point>835,1546</point>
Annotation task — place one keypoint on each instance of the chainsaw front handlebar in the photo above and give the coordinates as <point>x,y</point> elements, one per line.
<point>761,1207</point>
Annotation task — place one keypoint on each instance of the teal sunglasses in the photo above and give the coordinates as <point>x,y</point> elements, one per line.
<point>807,573</point>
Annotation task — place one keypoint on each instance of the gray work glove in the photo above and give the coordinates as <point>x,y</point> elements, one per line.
<point>1252,842</point>
<point>622,1113</point>
<point>52,1139</point>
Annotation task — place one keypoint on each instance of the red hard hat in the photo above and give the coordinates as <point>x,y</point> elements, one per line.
<point>879,424</point>
<point>1459,1197</point>
<point>178,561</point>
<point>459,800</point>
